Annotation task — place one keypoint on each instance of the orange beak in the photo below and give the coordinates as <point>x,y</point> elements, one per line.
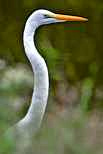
<point>69,18</point>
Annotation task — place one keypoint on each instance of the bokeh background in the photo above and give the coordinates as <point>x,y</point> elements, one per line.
<point>73,122</point>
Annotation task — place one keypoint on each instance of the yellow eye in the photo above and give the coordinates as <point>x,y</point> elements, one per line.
<point>46,16</point>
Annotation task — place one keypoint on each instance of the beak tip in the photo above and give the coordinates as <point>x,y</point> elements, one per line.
<point>86,19</point>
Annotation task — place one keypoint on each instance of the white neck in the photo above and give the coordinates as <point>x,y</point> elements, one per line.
<point>36,110</point>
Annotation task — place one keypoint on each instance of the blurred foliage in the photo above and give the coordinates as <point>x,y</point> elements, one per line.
<point>86,94</point>
<point>73,53</point>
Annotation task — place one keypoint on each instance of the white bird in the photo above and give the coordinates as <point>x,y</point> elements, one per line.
<point>32,120</point>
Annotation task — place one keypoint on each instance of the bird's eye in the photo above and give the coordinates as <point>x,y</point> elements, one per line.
<point>46,16</point>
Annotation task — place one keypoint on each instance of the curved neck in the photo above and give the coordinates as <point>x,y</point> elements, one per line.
<point>36,110</point>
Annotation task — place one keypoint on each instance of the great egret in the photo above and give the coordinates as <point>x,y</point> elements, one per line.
<point>31,122</point>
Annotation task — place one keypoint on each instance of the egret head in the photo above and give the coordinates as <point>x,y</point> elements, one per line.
<point>43,17</point>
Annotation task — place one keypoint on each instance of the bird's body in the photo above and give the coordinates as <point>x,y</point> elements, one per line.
<point>33,118</point>
<point>31,122</point>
